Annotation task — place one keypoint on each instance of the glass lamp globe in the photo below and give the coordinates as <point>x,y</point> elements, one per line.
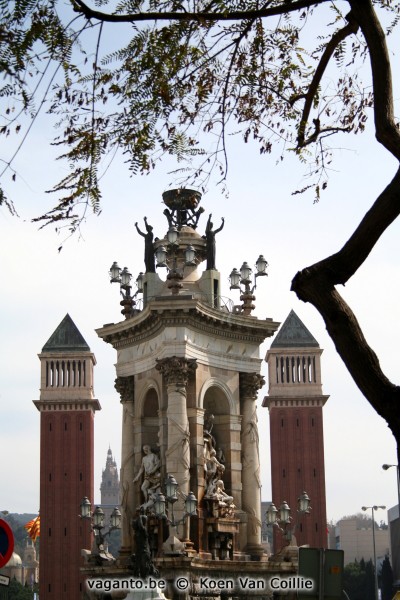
<point>171,486</point>
<point>115,519</point>
<point>159,505</point>
<point>115,273</point>
<point>245,273</point>
<point>172,235</point>
<point>161,256</point>
<point>190,255</point>
<point>125,277</point>
<point>191,504</point>
<point>234,279</point>
<point>139,282</point>
<point>271,514</point>
<point>284,512</point>
<point>304,503</point>
<point>98,517</point>
<point>86,508</point>
<point>261,266</point>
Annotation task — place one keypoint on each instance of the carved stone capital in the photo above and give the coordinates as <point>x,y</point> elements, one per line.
<point>176,370</point>
<point>125,387</point>
<point>250,383</point>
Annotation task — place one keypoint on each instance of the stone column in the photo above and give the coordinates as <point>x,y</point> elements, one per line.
<point>176,372</point>
<point>250,383</point>
<point>125,388</point>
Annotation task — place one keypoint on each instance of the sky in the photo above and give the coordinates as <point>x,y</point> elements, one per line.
<point>40,285</point>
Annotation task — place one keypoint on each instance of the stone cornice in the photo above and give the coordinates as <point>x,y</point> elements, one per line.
<point>67,405</point>
<point>176,311</point>
<point>294,401</point>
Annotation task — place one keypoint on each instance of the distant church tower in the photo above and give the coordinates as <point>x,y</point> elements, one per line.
<point>295,402</point>
<point>67,406</point>
<point>109,487</point>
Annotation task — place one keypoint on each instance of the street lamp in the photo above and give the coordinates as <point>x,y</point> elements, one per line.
<point>282,519</point>
<point>243,277</point>
<point>97,518</point>
<point>175,275</point>
<point>373,509</point>
<point>385,467</point>
<point>170,497</point>
<point>164,511</point>
<point>124,277</point>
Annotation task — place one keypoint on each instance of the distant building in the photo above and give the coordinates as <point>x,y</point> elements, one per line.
<point>394,535</point>
<point>266,532</point>
<point>109,487</point>
<point>355,537</point>
<point>26,569</point>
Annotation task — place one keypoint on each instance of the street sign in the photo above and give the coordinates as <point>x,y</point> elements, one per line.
<point>4,580</point>
<point>6,543</point>
<point>325,568</point>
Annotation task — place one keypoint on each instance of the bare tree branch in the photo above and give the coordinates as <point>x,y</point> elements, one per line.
<point>315,284</point>
<point>387,132</point>
<point>236,15</point>
<point>337,38</point>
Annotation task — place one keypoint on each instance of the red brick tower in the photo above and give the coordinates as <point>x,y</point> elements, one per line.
<point>295,402</point>
<point>67,408</point>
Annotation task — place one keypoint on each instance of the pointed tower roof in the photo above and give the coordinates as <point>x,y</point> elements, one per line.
<point>294,334</point>
<point>66,338</point>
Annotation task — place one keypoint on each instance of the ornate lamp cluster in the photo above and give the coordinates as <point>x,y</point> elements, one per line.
<point>171,496</point>
<point>97,519</point>
<point>282,519</point>
<point>124,278</point>
<point>175,275</point>
<point>243,278</point>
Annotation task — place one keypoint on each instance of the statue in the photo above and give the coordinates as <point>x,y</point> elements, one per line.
<point>150,467</point>
<point>210,239</point>
<point>225,502</point>
<point>184,215</point>
<point>148,247</point>
<point>142,563</point>
<point>213,472</point>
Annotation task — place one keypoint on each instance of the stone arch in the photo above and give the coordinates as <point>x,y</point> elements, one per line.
<point>218,399</point>
<point>149,392</point>
<point>223,392</point>
<point>147,413</point>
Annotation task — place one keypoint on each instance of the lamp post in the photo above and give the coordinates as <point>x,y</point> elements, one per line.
<point>243,277</point>
<point>282,519</point>
<point>124,277</point>
<point>170,497</point>
<point>373,509</point>
<point>385,467</point>
<point>175,275</point>
<point>166,513</point>
<point>97,524</point>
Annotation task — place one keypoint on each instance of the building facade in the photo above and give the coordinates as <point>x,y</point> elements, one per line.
<point>67,407</point>
<point>295,402</point>
<point>354,537</point>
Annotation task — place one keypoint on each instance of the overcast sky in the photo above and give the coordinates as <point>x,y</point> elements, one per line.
<point>40,285</point>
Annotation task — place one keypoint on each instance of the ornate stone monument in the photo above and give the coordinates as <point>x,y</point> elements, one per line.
<point>188,372</point>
